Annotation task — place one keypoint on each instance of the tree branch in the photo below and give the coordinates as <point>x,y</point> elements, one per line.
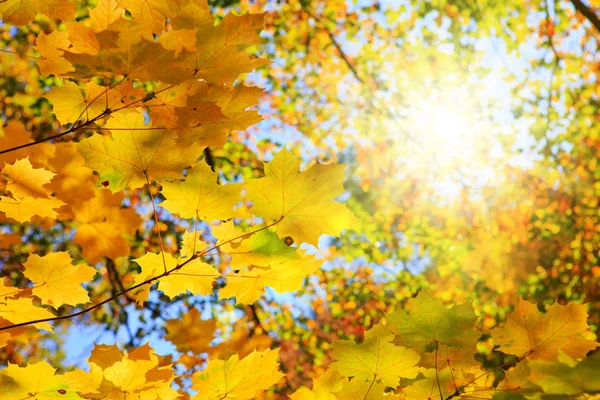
<point>139,285</point>
<point>75,128</point>
<point>343,55</point>
<point>587,12</point>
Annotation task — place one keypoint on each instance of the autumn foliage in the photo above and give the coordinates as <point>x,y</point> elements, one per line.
<point>134,200</point>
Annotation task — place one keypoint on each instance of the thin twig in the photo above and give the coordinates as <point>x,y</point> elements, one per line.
<point>141,284</point>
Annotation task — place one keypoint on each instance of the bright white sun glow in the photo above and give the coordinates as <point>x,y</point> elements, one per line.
<point>444,137</point>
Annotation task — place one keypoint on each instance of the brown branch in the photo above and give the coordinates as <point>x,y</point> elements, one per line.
<point>139,285</point>
<point>587,13</point>
<point>68,131</point>
<point>19,54</point>
<point>517,360</point>
<point>343,55</point>
<point>87,123</point>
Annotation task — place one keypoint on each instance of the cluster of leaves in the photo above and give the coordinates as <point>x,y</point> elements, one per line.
<point>122,184</point>
<point>138,92</point>
<point>426,351</point>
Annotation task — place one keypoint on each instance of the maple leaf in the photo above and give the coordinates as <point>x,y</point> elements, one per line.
<point>104,14</point>
<point>23,209</point>
<point>196,277</point>
<point>52,51</point>
<point>136,153</point>
<point>237,379</point>
<point>359,390</point>
<point>151,14</point>
<point>199,196</point>
<point>37,381</point>
<point>529,333</point>
<point>179,40</point>
<point>20,12</point>
<point>22,310</point>
<point>434,385</point>
<point>191,333</point>
<point>123,52</point>
<point>167,99</point>
<point>261,249</point>
<point>74,182</point>
<point>72,102</point>
<point>248,286</point>
<point>427,323</point>
<point>213,112</point>
<point>323,388</point>
<point>13,135</point>
<point>242,342</point>
<point>564,379</point>
<point>375,358</point>
<point>220,57</point>
<point>82,38</point>
<point>303,200</point>
<point>56,280</point>
<point>25,181</point>
<point>516,381</point>
<point>140,374</point>
<point>104,225</point>
<point>191,244</point>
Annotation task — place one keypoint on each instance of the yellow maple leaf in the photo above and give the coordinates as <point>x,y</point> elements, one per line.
<point>56,280</point>
<point>140,374</point>
<point>212,112</point>
<point>22,310</point>
<point>82,38</point>
<point>37,381</point>
<point>220,56</point>
<point>178,40</point>
<point>104,14</point>
<point>74,182</point>
<point>20,12</point>
<point>191,333</point>
<point>136,153</point>
<point>359,390</point>
<point>433,383</point>
<point>247,286</point>
<point>71,102</point>
<point>529,333</point>
<point>242,342</point>
<point>52,50</point>
<point>261,249</point>
<point>23,209</point>
<point>196,277</point>
<point>199,196</point>
<point>166,101</point>
<point>191,244</point>
<point>303,200</point>
<point>124,52</point>
<point>153,14</point>
<point>104,225</point>
<point>375,358</point>
<point>323,388</point>
<point>25,181</point>
<point>237,379</point>
<point>13,135</point>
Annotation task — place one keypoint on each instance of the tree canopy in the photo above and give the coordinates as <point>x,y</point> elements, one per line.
<point>328,200</point>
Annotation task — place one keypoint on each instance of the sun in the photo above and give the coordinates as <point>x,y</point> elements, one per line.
<point>444,136</point>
